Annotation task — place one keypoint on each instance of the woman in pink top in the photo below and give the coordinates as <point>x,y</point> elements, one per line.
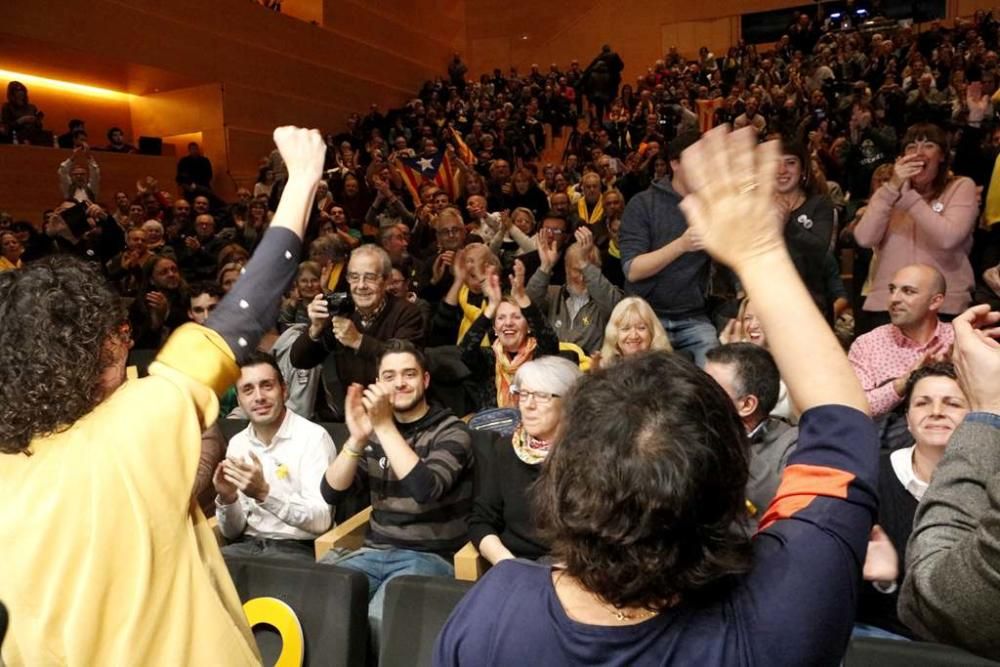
<point>923,215</point>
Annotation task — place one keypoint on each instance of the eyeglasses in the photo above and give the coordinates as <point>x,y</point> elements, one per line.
<point>553,231</point>
<point>355,278</point>
<point>541,397</point>
<point>450,231</point>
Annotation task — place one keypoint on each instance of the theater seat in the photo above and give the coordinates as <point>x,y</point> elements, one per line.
<point>870,652</point>
<point>416,609</point>
<point>349,534</point>
<point>331,604</point>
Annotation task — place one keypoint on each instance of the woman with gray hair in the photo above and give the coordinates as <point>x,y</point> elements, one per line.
<point>501,524</point>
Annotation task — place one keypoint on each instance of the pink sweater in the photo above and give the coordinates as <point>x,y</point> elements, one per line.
<point>912,232</point>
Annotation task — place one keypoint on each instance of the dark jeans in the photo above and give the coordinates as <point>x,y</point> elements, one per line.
<point>300,550</point>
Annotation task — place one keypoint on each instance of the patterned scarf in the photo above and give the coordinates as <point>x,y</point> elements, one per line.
<point>529,449</point>
<point>507,368</point>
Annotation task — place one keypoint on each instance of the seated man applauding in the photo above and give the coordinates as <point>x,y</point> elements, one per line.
<point>268,484</point>
<point>415,462</point>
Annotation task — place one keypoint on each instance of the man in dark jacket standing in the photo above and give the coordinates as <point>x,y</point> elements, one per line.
<point>663,261</point>
<point>601,79</point>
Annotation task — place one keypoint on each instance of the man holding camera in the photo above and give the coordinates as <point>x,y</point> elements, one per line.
<point>347,332</point>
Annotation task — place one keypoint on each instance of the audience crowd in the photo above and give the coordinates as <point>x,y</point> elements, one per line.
<point>529,250</point>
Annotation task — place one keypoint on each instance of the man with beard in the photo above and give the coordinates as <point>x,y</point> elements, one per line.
<point>415,460</point>
<point>348,344</point>
<point>884,358</point>
<point>267,487</point>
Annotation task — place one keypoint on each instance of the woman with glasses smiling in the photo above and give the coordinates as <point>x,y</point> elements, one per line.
<point>501,524</point>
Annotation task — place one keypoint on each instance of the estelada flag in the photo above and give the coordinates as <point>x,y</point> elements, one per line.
<point>438,169</point>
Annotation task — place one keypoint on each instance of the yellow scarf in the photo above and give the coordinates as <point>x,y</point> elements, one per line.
<point>991,215</point>
<point>614,250</point>
<point>471,313</point>
<point>331,282</point>
<point>597,214</point>
<point>7,265</point>
<point>507,368</point>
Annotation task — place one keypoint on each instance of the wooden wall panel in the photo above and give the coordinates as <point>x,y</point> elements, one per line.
<point>59,106</point>
<point>561,31</point>
<point>230,69</point>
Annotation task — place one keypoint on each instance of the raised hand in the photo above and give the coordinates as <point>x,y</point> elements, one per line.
<point>976,101</point>
<point>585,239</point>
<point>977,357</point>
<point>358,424</point>
<point>517,291</point>
<point>378,407</point>
<point>732,332</point>
<point>548,252</point>
<point>303,151</point>
<point>730,207</point>
<point>441,264</point>
<point>905,168</point>
<point>492,292</point>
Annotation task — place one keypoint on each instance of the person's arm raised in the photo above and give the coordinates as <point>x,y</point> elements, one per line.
<point>251,307</point>
<point>731,210</point>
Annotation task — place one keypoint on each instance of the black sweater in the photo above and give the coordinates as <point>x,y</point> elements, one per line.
<point>501,506</point>
<point>895,514</point>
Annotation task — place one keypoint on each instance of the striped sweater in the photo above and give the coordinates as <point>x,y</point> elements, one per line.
<point>427,509</point>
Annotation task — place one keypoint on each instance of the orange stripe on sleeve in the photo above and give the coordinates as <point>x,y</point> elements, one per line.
<point>800,485</point>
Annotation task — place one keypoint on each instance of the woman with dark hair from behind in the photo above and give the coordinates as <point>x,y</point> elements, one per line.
<point>114,565</point>
<point>638,496</point>
<point>923,215</point>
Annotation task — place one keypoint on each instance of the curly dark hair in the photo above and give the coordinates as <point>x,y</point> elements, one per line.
<point>56,315</point>
<point>640,496</point>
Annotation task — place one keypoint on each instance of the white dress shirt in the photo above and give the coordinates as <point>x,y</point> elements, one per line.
<point>902,465</point>
<point>293,464</point>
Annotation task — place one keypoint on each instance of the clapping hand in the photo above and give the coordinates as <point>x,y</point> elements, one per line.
<point>976,101</point>
<point>585,240</point>
<point>905,168</point>
<point>881,561</point>
<point>492,291</point>
<point>378,406</point>
<point>977,357</point>
<point>517,291</point>
<point>441,264</point>
<point>247,477</point>
<point>358,424</point>
<point>548,252</point>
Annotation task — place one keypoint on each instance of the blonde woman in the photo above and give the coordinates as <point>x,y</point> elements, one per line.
<point>633,328</point>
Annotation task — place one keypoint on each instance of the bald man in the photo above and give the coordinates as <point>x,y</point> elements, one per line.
<point>884,357</point>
